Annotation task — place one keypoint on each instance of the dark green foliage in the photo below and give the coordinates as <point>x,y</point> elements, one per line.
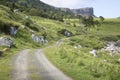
<point>101,18</point>
<point>30,24</point>
<point>88,21</point>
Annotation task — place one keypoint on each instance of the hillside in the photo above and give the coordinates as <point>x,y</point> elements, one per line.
<point>73,41</point>
<point>89,11</point>
<point>35,8</point>
<point>26,25</point>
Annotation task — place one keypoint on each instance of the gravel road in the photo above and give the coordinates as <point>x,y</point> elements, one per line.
<point>33,65</point>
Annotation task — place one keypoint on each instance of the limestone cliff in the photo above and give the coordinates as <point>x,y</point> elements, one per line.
<point>82,11</point>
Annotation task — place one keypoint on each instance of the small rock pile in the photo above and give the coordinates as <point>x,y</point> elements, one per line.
<point>40,39</point>
<point>112,47</point>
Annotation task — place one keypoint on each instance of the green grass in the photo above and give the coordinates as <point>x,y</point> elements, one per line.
<point>6,64</point>
<point>79,64</point>
<point>75,62</point>
<point>23,39</point>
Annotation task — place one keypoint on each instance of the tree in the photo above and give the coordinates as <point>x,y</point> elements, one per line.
<point>89,22</point>
<point>101,18</point>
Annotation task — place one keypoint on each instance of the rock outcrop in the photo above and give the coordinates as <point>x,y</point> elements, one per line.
<point>65,32</point>
<point>6,41</point>
<point>40,39</point>
<point>83,11</point>
<point>112,47</point>
<point>88,11</point>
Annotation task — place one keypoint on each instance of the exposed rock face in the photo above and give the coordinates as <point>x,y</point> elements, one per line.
<point>112,47</point>
<point>82,11</point>
<point>6,41</point>
<point>40,39</point>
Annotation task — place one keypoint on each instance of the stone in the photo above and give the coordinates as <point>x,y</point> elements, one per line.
<point>40,39</point>
<point>112,47</point>
<point>35,38</point>
<point>88,11</point>
<point>117,43</point>
<point>65,32</point>
<point>94,52</point>
<point>6,41</point>
<point>13,30</point>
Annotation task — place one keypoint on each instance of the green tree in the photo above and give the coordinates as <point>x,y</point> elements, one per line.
<point>101,18</point>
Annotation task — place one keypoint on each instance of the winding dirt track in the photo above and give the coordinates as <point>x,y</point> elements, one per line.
<point>33,65</point>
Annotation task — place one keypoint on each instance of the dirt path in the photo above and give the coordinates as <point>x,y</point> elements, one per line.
<point>33,65</point>
<point>21,66</point>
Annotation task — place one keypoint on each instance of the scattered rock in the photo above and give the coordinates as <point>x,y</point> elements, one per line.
<point>41,39</point>
<point>13,30</point>
<point>6,41</point>
<point>117,43</point>
<point>65,32</point>
<point>94,52</point>
<point>112,47</point>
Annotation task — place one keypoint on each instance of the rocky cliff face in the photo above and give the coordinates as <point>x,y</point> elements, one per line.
<point>82,11</point>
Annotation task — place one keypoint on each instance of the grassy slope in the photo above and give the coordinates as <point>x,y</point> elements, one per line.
<point>79,63</point>
<point>75,62</point>
<point>23,38</point>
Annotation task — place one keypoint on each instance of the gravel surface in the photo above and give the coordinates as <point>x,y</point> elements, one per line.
<point>33,65</point>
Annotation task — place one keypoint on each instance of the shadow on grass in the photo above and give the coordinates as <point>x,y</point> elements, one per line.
<point>110,38</point>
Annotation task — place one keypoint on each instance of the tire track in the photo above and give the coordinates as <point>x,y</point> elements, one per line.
<point>20,71</point>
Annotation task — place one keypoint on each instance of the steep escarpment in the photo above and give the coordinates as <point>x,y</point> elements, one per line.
<point>83,11</point>
<point>88,11</point>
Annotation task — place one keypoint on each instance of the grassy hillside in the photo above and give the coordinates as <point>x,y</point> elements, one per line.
<point>35,8</point>
<point>23,39</point>
<point>69,57</point>
<point>78,63</point>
